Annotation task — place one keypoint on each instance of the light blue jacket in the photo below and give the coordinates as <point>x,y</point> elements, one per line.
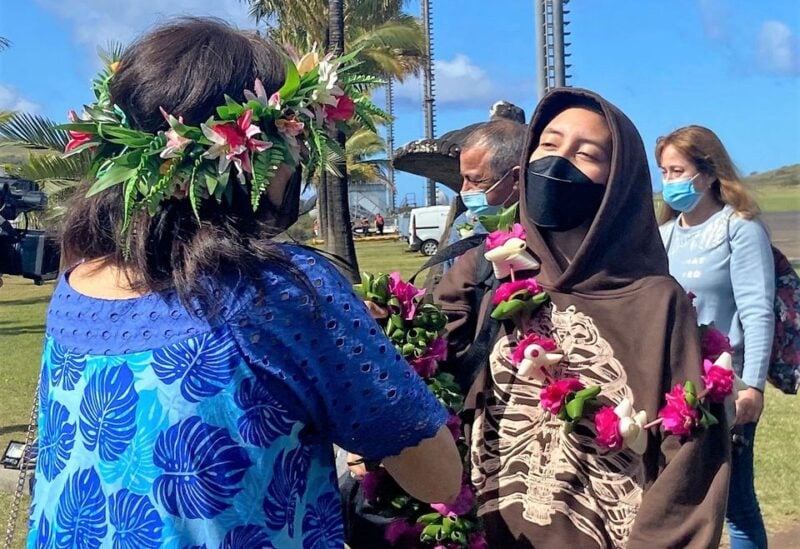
<point>727,263</point>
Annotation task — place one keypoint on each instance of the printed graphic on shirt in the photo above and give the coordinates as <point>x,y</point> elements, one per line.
<point>521,454</point>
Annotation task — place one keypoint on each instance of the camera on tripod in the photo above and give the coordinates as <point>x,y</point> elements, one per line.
<point>26,252</point>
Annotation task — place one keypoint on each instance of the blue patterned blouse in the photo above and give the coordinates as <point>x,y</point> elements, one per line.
<point>162,429</point>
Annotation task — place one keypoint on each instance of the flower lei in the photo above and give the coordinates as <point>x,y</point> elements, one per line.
<point>537,357</point>
<point>319,97</point>
<point>415,326</point>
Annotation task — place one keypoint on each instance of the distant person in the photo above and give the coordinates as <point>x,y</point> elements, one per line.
<point>379,222</point>
<point>489,167</point>
<point>720,251</point>
<point>196,374</point>
<point>617,320</point>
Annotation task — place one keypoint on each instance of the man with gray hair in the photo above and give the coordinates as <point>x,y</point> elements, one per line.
<point>489,166</point>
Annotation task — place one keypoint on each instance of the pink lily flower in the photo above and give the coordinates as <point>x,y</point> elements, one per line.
<point>76,139</point>
<point>175,142</point>
<point>232,142</point>
<point>260,94</point>
<point>290,126</point>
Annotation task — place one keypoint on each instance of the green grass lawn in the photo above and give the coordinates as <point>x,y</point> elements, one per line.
<point>773,198</point>
<point>22,310</point>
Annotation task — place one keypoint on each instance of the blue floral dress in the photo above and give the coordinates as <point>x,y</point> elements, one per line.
<point>158,428</point>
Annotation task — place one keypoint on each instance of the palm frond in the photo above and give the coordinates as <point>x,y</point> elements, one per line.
<point>33,132</point>
<point>53,167</point>
<point>4,43</point>
<point>365,142</point>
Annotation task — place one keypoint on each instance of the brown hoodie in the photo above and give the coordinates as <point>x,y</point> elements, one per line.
<point>623,323</point>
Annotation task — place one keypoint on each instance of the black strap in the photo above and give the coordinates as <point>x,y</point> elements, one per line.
<point>454,250</point>
<point>475,357</point>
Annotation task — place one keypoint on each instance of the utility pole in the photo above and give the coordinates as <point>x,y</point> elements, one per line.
<point>428,99</point>
<point>551,47</point>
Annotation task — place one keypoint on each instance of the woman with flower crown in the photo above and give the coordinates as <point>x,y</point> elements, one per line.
<point>196,375</point>
<point>594,423</point>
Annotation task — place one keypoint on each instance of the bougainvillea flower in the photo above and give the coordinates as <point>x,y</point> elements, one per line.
<point>427,364</point>
<point>498,238</point>
<point>553,397</point>
<point>76,139</point>
<point>400,533</point>
<point>406,293</point>
<point>679,417</point>
<point>375,483</point>
<point>454,424</point>
<point>461,506</point>
<point>507,289</point>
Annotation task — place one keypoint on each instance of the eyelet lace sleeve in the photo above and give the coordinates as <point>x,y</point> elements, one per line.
<point>357,390</point>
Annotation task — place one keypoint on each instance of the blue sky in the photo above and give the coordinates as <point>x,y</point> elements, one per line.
<point>731,65</point>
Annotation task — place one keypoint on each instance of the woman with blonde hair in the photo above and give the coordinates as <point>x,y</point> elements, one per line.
<point>719,251</point>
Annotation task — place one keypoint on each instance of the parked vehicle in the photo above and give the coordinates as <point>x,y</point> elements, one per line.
<point>426,228</point>
<point>402,224</point>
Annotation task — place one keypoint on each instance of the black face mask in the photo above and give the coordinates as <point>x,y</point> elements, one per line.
<point>558,196</point>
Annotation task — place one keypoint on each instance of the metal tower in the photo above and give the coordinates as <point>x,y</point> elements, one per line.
<point>550,45</point>
<point>390,140</point>
<point>428,98</point>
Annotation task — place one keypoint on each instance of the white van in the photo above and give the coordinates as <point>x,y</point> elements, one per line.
<point>426,227</point>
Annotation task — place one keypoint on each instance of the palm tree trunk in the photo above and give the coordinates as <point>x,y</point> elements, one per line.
<point>339,237</point>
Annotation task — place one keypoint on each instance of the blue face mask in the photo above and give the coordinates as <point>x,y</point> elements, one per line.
<point>477,203</point>
<point>680,194</point>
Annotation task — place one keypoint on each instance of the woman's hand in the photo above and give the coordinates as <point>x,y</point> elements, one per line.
<point>376,310</point>
<point>749,405</point>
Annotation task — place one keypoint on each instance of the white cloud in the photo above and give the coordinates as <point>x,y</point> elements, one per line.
<point>11,100</point>
<point>778,48</point>
<point>457,82</point>
<point>97,22</point>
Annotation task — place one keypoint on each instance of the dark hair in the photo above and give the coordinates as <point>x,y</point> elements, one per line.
<point>186,66</point>
<point>504,140</point>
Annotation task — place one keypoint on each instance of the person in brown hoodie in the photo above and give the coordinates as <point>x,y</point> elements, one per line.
<point>622,323</point>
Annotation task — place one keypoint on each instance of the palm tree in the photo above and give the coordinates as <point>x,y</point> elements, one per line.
<point>45,143</point>
<point>362,166</point>
<point>391,44</point>
<point>56,176</point>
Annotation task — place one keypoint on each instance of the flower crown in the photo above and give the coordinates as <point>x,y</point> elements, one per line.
<point>295,125</point>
